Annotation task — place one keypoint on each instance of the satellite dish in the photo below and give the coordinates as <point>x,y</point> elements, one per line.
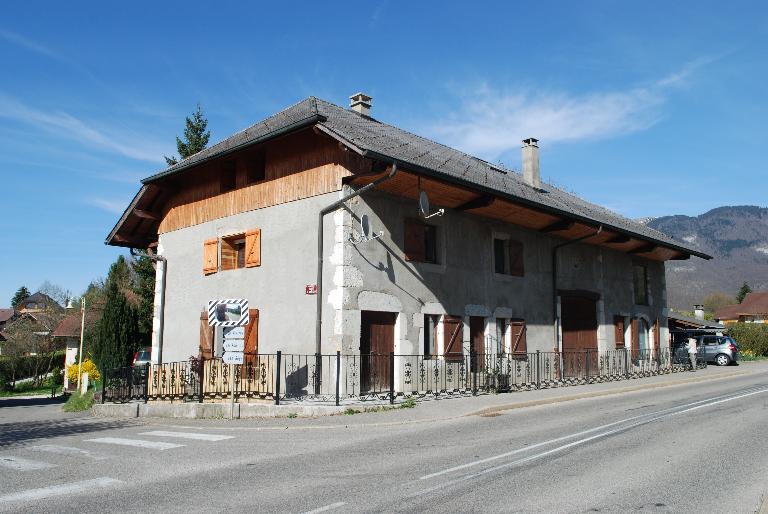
<point>424,203</point>
<point>365,226</point>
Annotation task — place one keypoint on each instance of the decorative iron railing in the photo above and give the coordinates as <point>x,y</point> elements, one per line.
<point>384,377</point>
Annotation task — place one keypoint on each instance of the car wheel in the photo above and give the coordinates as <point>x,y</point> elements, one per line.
<point>722,359</point>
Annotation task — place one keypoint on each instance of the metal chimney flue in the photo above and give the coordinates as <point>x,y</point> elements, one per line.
<point>360,102</point>
<point>531,172</point>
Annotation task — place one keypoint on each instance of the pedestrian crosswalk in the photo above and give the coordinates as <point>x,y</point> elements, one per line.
<point>58,456</point>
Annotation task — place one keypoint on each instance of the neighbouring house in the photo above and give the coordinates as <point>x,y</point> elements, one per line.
<point>495,261</point>
<point>5,316</point>
<point>753,309</point>
<point>68,333</point>
<point>38,302</point>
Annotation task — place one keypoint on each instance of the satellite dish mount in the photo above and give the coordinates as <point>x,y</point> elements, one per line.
<point>424,207</point>
<point>366,232</point>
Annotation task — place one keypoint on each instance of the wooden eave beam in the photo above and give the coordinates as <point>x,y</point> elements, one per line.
<point>558,226</point>
<point>618,239</point>
<point>681,257</point>
<point>646,248</point>
<point>148,215</point>
<point>476,203</point>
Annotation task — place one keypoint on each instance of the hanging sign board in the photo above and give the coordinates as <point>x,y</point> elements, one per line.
<point>231,312</point>
<point>234,333</point>
<point>234,345</point>
<point>232,358</point>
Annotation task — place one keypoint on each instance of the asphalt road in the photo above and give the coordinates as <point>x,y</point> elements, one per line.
<point>689,448</point>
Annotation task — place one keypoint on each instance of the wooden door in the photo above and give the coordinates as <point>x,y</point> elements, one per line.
<point>579,324</point>
<point>477,338</point>
<point>377,341</point>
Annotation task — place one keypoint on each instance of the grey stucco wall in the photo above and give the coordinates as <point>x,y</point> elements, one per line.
<point>464,283</point>
<point>276,288</point>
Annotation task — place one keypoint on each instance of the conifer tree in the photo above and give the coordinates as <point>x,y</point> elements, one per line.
<point>116,335</point>
<point>743,292</point>
<point>22,294</point>
<point>195,136</point>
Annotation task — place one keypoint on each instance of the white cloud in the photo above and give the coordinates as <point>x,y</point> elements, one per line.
<point>107,204</point>
<point>28,44</point>
<point>491,121</point>
<point>67,126</point>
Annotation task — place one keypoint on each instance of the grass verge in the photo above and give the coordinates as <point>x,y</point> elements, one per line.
<point>78,402</point>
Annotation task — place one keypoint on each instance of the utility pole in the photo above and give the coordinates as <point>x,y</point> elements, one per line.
<point>82,334</point>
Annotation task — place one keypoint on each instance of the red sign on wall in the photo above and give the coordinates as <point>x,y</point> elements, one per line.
<point>310,289</point>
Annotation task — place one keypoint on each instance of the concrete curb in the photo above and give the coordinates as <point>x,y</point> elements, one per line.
<point>597,394</point>
<point>211,410</point>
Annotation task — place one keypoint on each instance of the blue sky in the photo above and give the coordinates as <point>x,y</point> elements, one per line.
<point>649,108</point>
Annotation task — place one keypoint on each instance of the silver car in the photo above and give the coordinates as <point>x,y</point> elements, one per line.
<point>718,349</point>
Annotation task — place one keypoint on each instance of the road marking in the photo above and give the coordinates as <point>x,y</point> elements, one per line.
<point>153,445</point>
<point>650,417</point>
<point>326,508</point>
<point>19,464</point>
<point>65,450</point>
<point>189,435</point>
<point>60,490</point>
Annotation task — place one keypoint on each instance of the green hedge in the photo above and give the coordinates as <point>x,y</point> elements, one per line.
<point>25,366</point>
<point>751,337</point>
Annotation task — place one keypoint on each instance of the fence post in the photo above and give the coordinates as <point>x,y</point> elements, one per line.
<point>277,377</point>
<point>538,369</point>
<point>104,379</point>
<point>338,372</point>
<point>130,382</point>
<point>473,369</point>
<point>626,362</point>
<point>318,372</point>
<point>201,379</point>
<point>391,378</point>
<point>146,382</point>
<point>587,366</point>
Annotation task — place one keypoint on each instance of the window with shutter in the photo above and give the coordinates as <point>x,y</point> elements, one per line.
<point>430,335</point>
<point>618,327</point>
<point>508,257</point>
<point>233,252</point>
<point>253,248</point>
<point>210,256</point>
<point>413,245</point>
<point>519,339</point>
<point>453,336</point>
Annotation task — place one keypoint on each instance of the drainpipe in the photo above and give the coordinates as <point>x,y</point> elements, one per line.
<point>160,315</point>
<point>554,280</point>
<point>335,205</point>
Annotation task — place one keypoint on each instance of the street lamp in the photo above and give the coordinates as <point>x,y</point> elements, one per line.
<point>82,333</point>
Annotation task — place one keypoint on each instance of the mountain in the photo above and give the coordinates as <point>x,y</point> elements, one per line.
<point>737,239</point>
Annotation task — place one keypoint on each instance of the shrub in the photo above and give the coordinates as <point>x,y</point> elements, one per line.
<point>751,337</point>
<point>88,367</point>
<point>78,402</point>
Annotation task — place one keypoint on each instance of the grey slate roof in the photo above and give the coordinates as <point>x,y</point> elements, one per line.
<point>375,139</point>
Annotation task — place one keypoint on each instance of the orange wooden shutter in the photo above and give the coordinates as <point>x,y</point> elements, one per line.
<point>210,256</point>
<point>228,254</point>
<point>516,264</point>
<point>656,335</point>
<point>252,332</point>
<point>618,326</point>
<point>205,348</point>
<point>453,335</point>
<point>414,247</point>
<point>519,340</point>
<point>253,248</point>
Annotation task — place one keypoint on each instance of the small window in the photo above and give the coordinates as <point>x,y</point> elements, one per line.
<point>421,242</point>
<point>228,177</point>
<point>430,335</point>
<point>233,252</point>
<point>257,170</point>
<point>508,257</point>
<point>640,283</point>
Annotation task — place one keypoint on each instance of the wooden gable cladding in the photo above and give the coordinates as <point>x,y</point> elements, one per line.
<point>298,166</point>
<point>407,184</point>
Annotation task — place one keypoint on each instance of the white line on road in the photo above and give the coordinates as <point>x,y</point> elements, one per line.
<point>326,508</point>
<point>189,435</point>
<point>654,417</point>
<point>65,450</point>
<point>153,445</point>
<point>60,490</point>
<point>19,464</point>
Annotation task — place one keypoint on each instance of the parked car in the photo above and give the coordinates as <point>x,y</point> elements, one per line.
<point>142,357</point>
<point>719,350</point>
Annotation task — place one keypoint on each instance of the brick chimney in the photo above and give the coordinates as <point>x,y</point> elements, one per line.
<point>360,102</point>
<point>531,172</point>
<point>698,311</point>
